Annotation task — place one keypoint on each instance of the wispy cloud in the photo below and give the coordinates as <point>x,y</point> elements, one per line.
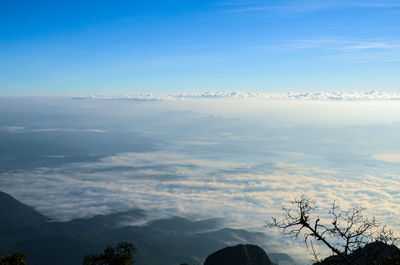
<point>373,4</point>
<point>342,44</point>
<point>12,128</point>
<point>39,130</point>
<point>350,50</point>
<point>370,45</point>
<point>298,7</point>
<point>393,158</point>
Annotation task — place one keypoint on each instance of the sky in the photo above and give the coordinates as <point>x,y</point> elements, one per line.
<point>58,48</point>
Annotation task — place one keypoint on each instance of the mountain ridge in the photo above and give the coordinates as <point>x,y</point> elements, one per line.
<point>165,241</point>
<point>15,213</point>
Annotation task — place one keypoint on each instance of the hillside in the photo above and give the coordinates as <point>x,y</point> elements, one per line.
<point>168,241</point>
<point>15,213</point>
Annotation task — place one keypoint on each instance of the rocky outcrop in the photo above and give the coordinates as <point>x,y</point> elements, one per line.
<point>239,255</point>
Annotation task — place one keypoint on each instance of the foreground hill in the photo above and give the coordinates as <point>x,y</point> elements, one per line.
<point>239,255</point>
<point>168,242</point>
<point>375,253</point>
<point>15,213</point>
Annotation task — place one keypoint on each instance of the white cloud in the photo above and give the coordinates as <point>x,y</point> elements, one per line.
<point>198,188</point>
<point>325,96</point>
<point>300,7</point>
<point>393,158</point>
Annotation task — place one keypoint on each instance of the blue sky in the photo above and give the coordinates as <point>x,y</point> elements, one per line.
<point>113,47</point>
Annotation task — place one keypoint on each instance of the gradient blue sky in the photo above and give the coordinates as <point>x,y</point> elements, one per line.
<point>173,46</point>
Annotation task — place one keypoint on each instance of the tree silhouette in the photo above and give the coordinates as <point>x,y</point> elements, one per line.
<point>121,255</point>
<point>13,259</point>
<point>347,230</point>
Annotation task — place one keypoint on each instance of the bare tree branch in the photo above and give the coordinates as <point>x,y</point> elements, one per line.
<point>348,231</point>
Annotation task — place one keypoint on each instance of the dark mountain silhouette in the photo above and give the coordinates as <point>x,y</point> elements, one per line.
<point>371,254</point>
<point>239,255</point>
<point>167,242</point>
<point>15,213</point>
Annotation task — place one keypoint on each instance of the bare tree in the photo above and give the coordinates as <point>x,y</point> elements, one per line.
<point>347,230</point>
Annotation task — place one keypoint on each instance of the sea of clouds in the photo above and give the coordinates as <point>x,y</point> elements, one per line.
<point>202,158</point>
<point>244,194</point>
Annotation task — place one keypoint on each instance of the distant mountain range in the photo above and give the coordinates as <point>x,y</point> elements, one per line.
<point>162,242</point>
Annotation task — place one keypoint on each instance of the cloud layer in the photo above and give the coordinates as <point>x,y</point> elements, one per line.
<point>168,184</point>
<point>345,96</point>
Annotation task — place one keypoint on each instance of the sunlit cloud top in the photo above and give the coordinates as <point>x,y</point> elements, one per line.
<point>344,96</point>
